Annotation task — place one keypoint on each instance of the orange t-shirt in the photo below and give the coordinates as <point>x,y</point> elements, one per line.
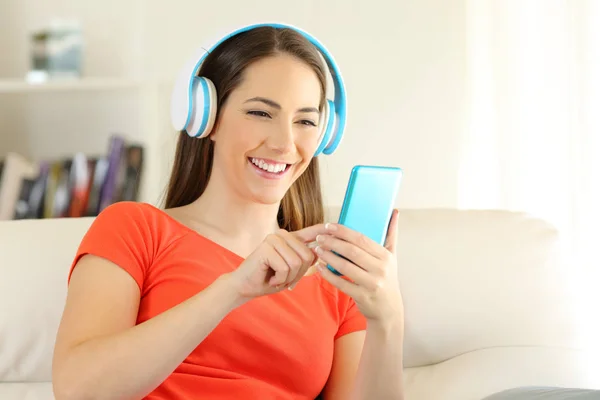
<point>273,347</point>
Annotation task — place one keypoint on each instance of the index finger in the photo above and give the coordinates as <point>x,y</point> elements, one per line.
<point>310,233</point>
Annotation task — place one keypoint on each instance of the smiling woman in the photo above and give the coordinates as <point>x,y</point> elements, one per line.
<point>188,301</point>
<point>279,94</point>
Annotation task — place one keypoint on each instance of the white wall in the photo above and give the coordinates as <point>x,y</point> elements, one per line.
<point>404,63</point>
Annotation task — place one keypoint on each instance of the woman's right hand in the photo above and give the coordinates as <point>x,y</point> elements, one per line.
<point>279,262</point>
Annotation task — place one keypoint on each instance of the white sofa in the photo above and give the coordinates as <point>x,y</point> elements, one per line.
<point>489,304</point>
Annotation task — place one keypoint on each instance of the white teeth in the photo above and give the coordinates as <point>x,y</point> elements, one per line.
<point>275,168</point>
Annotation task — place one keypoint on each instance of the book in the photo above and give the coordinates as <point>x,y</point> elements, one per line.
<point>78,186</point>
<point>16,168</point>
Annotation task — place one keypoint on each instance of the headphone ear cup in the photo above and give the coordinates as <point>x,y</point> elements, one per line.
<point>327,126</point>
<point>204,107</point>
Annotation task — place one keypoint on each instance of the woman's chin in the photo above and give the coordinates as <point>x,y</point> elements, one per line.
<point>272,196</point>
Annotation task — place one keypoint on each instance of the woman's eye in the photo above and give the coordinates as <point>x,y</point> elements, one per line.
<point>308,122</point>
<point>259,113</point>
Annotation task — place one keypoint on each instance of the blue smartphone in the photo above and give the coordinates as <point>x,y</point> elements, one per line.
<point>369,201</point>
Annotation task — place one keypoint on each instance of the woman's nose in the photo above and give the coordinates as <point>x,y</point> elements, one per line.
<point>282,140</point>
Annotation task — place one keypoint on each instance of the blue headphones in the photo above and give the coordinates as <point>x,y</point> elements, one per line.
<point>194,98</point>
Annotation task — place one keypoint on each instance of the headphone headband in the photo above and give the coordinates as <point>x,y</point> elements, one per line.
<point>193,103</point>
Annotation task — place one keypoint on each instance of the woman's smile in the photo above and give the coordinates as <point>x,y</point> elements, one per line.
<point>269,169</point>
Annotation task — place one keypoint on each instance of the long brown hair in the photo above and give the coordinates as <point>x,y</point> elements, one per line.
<point>302,205</point>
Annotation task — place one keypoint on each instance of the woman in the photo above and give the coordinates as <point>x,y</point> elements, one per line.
<point>219,295</point>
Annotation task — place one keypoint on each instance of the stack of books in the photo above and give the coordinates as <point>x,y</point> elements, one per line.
<point>77,186</point>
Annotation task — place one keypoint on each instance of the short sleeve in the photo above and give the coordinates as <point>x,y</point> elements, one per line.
<point>120,234</point>
<point>352,319</point>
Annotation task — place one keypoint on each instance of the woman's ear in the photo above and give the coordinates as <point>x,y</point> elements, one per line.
<point>214,129</point>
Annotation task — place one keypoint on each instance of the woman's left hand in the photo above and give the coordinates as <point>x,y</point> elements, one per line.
<point>371,272</point>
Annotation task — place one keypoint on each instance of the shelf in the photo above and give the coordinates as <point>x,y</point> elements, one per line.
<point>69,85</point>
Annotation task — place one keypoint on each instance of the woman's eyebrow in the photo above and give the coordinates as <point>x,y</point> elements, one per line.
<point>276,105</point>
<point>309,109</point>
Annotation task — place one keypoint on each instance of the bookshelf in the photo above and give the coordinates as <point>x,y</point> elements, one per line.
<point>119,92</point>
<point>58,119</point>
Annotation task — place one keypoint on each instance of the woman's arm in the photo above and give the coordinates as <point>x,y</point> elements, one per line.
<point>373,284</point>
<point>367,365</point>
<point>379,374</point>
<point>100,351</point>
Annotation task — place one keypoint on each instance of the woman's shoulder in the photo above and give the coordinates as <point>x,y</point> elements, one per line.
<point>137,221</point>
<point>130,234</point>
<point>124,212</point>
<point>125,209</point>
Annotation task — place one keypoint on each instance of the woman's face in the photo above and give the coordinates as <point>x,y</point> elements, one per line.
<point>268,129</point>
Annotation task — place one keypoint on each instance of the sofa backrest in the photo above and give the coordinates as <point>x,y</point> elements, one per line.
<point>35,256</point>
<point>476,279</point>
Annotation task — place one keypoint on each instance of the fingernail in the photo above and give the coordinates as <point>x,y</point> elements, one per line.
<point>291,287</point>
<point>329,226</point>
<point>319,250</point>
<point>320,238</point>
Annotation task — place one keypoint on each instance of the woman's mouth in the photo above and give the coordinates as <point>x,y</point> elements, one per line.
<point>269,169</point>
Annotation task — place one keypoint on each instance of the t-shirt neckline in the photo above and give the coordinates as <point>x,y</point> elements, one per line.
<point>180,224</point>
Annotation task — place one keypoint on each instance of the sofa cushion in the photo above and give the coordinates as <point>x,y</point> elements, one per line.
<point>26,391</point>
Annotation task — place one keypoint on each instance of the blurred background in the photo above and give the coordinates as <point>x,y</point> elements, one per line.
<point>483,103</point>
